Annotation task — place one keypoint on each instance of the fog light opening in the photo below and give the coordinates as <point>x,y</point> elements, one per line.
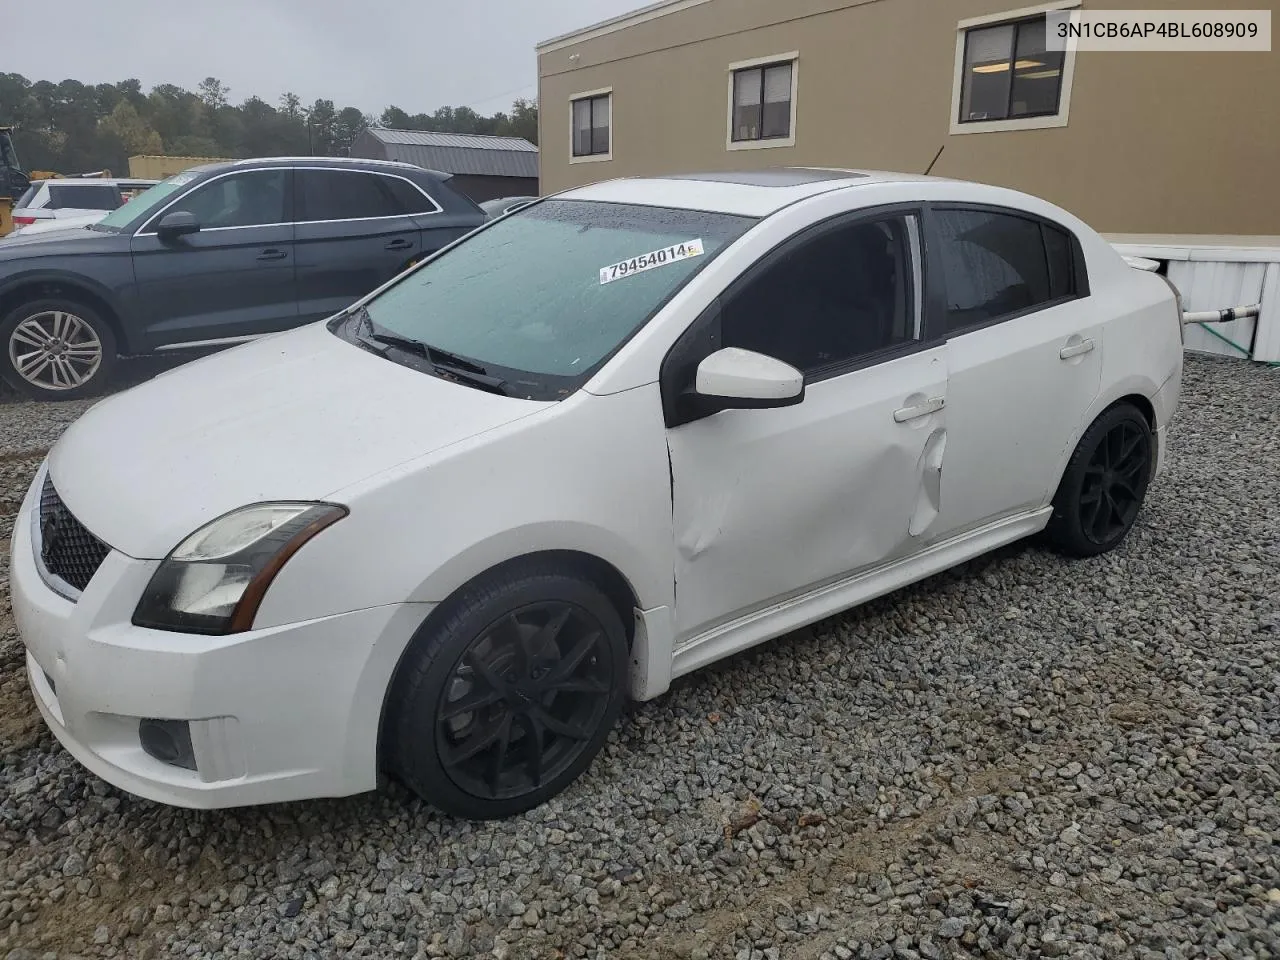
<point>168,741</point>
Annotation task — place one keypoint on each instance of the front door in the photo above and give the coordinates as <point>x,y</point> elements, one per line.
<point>233,278</point>
<point>1025,360</point>
<point>772,503</point>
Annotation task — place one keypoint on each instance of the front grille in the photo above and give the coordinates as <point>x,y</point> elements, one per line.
<point>68,550</point>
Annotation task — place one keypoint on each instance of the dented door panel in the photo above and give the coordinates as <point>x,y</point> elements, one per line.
<point>772,503</point>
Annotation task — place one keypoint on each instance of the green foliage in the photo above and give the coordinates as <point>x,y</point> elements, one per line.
<point>71,127</point>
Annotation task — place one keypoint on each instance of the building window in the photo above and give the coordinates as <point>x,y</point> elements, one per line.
<point>1008,73</point>
<point>592,129</point>
<point>1006,79</point>
<point>762,102</point>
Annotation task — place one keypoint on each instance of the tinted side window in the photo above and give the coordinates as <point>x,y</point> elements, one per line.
<point>344,195</point>
<point>83,197</point>
<point>250,199</point>
<point>994,265</point>
<point>408,198</point>
<point>846,293</point>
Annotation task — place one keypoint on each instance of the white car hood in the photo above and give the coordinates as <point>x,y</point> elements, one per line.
<point>295,416</point>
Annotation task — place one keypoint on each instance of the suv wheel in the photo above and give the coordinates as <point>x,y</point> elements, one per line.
<point>55,349</point>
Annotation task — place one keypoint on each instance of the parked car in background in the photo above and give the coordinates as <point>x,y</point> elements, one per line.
<point>219,254</point>
<point>504,205</point>
<point>61,224</point>
<point>597,444</point>
<point>73,198</point>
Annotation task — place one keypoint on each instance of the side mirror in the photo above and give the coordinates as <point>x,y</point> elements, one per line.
<point>732,378</point>
<point>180,223</point>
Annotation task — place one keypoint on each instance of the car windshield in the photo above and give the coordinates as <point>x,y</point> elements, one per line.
<point>543,297</point>
<point>145,202</point>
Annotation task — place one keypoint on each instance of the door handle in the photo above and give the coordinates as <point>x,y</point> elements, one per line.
<point>400,243</point>
<point>903,414</point>
<point>271,253</point>
<point>1076,349</point>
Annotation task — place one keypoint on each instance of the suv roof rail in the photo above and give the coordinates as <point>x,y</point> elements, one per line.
<point>340,160</point>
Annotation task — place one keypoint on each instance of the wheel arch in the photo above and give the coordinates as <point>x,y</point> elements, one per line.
<point>40,286</point>
<point>605,575</point>
<point>1136,390</point>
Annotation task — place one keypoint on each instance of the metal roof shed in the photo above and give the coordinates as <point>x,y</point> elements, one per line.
<point>483,167</point>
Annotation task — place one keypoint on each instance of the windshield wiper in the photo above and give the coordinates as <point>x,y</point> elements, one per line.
<point>451,364</point>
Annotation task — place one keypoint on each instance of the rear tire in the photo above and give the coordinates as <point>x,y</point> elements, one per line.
<point>1104,485</point>
<point>56,349</point>
<point>508,693</point>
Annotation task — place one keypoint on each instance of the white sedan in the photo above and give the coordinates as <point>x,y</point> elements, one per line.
<point>593,446</point>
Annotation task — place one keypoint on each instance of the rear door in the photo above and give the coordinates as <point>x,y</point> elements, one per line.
<point>1024,345</point>
<point>356,230</point>
<point>232,279</point>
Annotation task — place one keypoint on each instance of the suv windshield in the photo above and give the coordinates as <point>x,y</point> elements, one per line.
<point>545,296</point>
<point>145,202</point>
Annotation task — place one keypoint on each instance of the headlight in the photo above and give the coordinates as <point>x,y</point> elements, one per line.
<point>214,581</point>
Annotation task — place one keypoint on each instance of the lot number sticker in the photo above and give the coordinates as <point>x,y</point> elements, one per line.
<point>649,261</point>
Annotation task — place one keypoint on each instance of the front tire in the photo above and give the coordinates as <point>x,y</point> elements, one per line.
<point>1104,485</point>
<point>508,693</point>
<point>56,349</point>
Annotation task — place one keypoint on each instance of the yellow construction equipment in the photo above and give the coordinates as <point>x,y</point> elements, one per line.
<point>13,182</point>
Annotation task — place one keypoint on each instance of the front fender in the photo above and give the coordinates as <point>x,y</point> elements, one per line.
<point>100,288</point>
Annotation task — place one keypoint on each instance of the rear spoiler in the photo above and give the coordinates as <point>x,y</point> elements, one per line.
<point>1142,263</point>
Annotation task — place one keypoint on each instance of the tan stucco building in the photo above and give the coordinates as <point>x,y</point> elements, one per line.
<point>1142,143</point>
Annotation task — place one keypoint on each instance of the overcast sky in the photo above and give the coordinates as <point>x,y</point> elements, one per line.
<point>416,54</point>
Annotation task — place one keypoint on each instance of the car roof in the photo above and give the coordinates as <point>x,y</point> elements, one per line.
<point>353,163</point>
<point>756,193</point>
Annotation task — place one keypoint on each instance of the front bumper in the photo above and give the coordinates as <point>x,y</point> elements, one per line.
<point>284,713</point>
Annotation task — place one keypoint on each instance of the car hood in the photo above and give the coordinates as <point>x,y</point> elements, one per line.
<point>294,416</point>
<point>59,242</point>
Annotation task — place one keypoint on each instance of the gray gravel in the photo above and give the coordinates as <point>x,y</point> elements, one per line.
<point>1028,757</point>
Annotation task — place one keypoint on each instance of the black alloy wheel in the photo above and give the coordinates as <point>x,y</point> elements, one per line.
<point>1114,482</point>
<point>508,691</point>
<point>524,700</point>
<point>1104,485</point>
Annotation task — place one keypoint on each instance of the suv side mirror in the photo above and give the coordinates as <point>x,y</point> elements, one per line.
<point>180,223</point>
<point>733,378</point>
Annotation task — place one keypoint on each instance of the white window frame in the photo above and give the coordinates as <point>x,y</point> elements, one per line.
<point>589,95</point>
<point>788,141</point>
<point>1058,119</point>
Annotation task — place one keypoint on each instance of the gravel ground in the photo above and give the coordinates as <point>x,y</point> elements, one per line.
<point>1027,757</point>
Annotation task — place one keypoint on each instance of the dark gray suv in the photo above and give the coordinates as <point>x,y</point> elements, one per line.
<point>216,255</point>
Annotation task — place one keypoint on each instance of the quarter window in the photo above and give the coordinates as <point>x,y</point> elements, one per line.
<point>408,197</point>
<point>1008,73</point>
<point>344,195</point>
<point>592,127</point>
<point>998,264</point>
<point>250,199</point>
<point>762,102</point>
<point>832,299</point>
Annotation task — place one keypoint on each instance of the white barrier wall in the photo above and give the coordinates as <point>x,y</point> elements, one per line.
<point>1213,276</point>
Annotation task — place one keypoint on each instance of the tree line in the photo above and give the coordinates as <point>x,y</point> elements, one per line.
<point>72,127</point>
